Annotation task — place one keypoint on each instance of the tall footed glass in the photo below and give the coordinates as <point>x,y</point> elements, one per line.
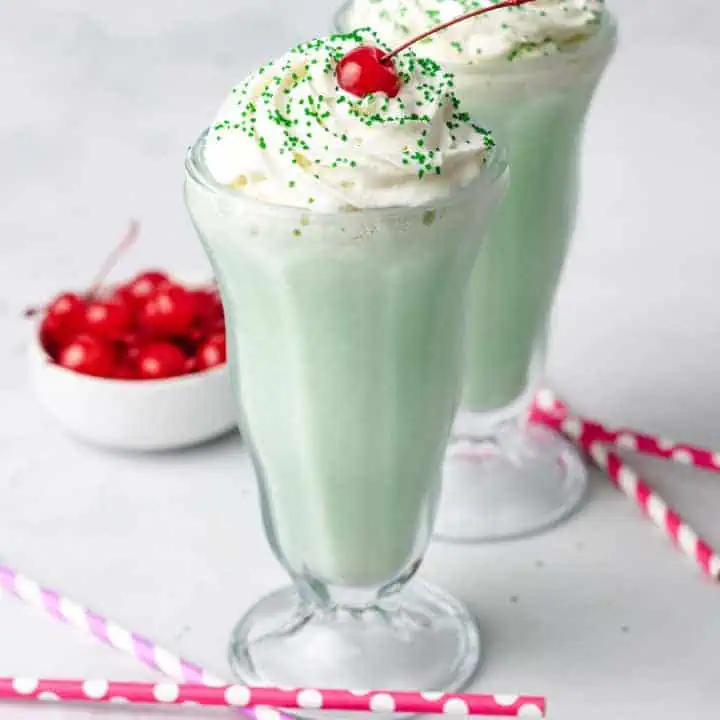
<point>504,478</point>
<point>345,343</point>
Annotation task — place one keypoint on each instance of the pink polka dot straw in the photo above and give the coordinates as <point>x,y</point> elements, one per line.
<point>108,632</point>
<point>198,686</point>
<point>239,696</point>
<point>596,441</point>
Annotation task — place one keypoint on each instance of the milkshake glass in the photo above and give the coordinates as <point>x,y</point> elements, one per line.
<point>345,333</point>
<point>504,478</point>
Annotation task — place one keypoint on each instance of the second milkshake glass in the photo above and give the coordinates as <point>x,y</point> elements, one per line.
<point>504,478</point>
<point>345,345</point>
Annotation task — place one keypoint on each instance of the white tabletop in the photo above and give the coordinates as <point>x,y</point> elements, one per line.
<point>602,615</point>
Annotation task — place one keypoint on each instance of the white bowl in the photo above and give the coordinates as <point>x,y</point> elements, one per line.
<point>134,414</point>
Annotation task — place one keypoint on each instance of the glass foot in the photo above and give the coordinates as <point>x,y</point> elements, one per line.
<point>514,481</point>
<point>418,639</point>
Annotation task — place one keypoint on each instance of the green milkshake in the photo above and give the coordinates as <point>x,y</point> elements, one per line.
<point>347,347</point>
<point>342,231</point>
<point>530,73</point>
<point>540,113</point>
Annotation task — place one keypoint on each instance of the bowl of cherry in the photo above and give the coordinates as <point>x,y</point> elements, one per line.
<point>137,366</point>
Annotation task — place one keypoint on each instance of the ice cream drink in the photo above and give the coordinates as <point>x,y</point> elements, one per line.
<point>530,73</point>
<point>342,231</point>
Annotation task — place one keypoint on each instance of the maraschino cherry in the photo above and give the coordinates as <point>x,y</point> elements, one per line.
<point>64,318</point>
<point>160,360</point>
<point>169,312</point>
<point>89,355</point>
<point>212,353</point>
<point>209,308</point>
<point>108,319</point>
<point>362,71</point>
<point>148,328</point>
<point>145,284</point>
<point>124,371</point>
<point>367,69</point>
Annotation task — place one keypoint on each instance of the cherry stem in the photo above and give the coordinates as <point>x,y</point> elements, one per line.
<point>449,23</point>
<point>127,241</point>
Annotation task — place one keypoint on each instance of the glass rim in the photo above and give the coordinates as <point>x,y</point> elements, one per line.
<point>596,47</point>
<point>196,170</point>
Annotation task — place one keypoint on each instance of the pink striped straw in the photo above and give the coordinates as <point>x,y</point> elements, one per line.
<point>550,411</point>
<point>200,687</point>
<point>239,696</point>
<point>627,439</point>
<point>107,632</point>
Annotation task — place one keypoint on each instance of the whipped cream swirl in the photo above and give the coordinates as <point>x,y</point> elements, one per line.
<point>289,135</point>
<point>538,29</point>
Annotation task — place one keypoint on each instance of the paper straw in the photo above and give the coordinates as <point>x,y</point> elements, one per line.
<point>627,439</point>
<point>548,410</point>
<point>107,632</point>
<point>201,687</point>
<point>240,696</point>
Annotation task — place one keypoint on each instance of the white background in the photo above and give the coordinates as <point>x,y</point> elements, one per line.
<point>100,100</point>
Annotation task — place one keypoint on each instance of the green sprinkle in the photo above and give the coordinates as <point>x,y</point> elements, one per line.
<point>310,130</point>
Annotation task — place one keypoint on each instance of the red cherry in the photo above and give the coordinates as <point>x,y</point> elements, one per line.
<point>125,372</point>
<point>89,355</point>
<point>362,72</point>
<point>209,306</point>
<point>49,333</point>
<point>124,295</point>
<point>193,339</point>
<point>142,286</point>
<point>169,312</point>
<point>160,360</point>
<point>191,365</point>
<point>196,335</point>
<point>108,319</point>
<point>130,338</point>
<point>368,69</point>
<point>66,306</point>
<point>129,347</point>
<point>212,353</point>
<point>64,318</point>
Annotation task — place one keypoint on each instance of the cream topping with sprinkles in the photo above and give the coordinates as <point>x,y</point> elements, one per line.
<point>538,29</point>
<point>289,135</point>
